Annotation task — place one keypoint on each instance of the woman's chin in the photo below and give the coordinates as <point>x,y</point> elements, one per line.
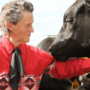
<point>28,41</point>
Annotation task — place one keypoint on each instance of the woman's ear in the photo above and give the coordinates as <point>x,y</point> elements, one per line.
<point>9,25</point>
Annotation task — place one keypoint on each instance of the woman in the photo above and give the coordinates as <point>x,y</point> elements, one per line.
<point>16,22</point>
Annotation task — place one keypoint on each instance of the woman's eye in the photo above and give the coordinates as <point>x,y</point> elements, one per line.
<point>27,25</point>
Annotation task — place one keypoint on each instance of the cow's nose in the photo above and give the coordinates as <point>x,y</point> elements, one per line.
<point>88,75</point>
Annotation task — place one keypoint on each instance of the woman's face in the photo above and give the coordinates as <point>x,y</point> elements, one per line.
<point>23,29</point>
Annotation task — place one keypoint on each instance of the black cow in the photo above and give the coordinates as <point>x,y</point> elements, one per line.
<point>73,39</point>
<point>74,36</point>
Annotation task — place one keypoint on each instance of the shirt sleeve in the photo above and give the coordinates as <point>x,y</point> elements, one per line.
<point>71,68</point>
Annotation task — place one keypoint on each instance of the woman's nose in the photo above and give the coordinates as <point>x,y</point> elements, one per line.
<point>31,29</point>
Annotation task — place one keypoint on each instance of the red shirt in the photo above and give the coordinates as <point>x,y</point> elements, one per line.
<point>35,61</point>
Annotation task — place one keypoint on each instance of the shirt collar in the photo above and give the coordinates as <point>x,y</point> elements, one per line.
<point>8,45</point>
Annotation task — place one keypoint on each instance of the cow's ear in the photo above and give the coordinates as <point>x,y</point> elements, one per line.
<point>88,2</point>
<point>88,5</point>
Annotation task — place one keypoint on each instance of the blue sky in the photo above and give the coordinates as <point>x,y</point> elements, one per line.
<point>48,17</point>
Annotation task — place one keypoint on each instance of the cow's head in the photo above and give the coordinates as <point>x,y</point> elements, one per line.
<point>73,39</point>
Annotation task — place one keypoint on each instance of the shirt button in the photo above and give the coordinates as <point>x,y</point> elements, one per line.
<point>38,82</point>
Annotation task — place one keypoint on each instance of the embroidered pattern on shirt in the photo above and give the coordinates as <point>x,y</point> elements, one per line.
<point>4,82</point>
<point>49,68</point>
<point>27,82</point>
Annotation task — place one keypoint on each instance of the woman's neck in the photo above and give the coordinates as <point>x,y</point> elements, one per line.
<point>13,40</point>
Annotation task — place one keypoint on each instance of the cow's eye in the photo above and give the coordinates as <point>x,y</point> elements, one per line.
<point>69,20</point>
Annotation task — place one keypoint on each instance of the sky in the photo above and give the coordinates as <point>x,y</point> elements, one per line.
<point>48,17</point>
